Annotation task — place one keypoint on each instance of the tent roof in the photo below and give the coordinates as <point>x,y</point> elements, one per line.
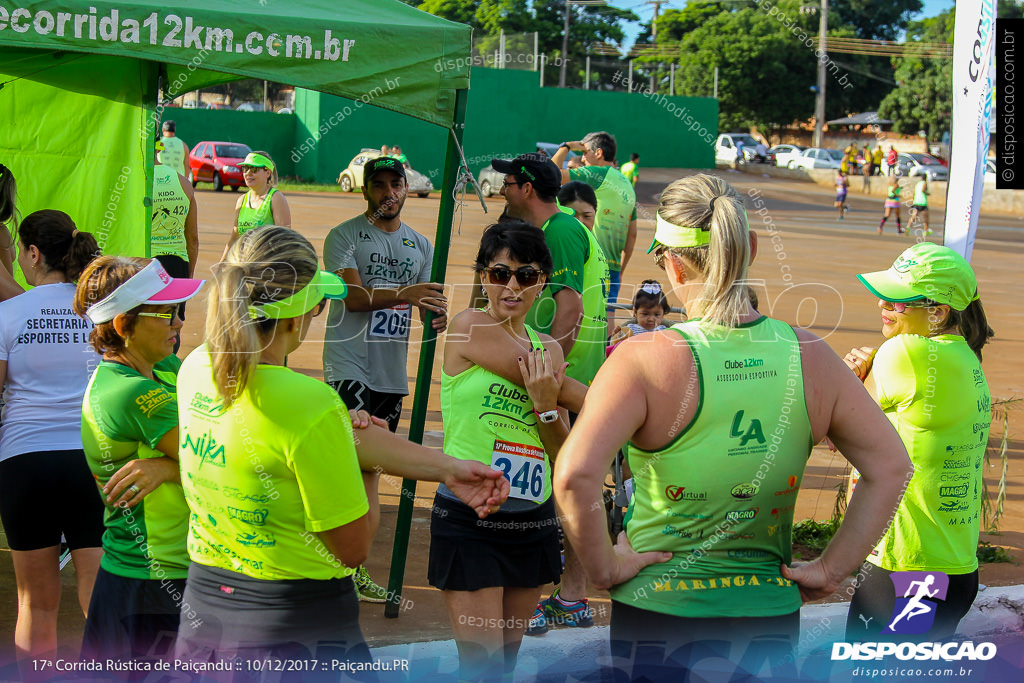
<point>863,119</point>
<point>379,52</point>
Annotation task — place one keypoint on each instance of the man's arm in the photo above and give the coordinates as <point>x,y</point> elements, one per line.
<point>627,251</point>
<point>191,226</point>
<point>424,295</point>
<point>568,314</point>
<point>184,159</point>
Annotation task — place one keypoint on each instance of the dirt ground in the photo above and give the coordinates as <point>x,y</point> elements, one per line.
<point>809,279</point>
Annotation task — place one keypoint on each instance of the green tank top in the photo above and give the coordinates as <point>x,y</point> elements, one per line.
<point>491,420</point>
<point>249,218</point>
<point>721,495</point>
<point>173,153</point>
<point>920,196</point>
<point>587,354</point>
<point>170,209</point>
<point>894,192</point>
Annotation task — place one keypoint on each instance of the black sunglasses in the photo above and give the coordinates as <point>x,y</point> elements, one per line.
<point>526,276</point>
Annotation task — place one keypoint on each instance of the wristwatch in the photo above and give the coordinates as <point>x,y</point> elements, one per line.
<point>564,144</point>
<point>548,416</point>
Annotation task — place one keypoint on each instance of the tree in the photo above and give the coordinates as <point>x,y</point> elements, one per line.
<point>923,99</point>
<point>877,19</point>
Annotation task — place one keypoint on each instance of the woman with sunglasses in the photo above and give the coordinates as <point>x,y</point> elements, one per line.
<point>129,426</point>
<point>720,413</point>
<point>501,383</point>
<point>271,469</point>
<point>263,204</point>
<point>927,378</point>
<point>45,363</point>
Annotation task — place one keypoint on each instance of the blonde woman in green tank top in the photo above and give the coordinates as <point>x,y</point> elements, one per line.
<point>502,388</point>
<point>263,204</point>
<point>719,435</point>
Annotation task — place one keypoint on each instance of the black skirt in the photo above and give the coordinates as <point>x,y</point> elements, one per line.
<point>515,549</point>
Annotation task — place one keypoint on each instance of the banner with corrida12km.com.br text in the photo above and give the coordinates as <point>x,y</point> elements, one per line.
<point>973,40</point>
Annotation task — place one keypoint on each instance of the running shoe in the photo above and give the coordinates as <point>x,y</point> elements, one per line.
<point>576,614</point>
<point>928,232</point>
<point>367,589</point>
<point>538,622</point>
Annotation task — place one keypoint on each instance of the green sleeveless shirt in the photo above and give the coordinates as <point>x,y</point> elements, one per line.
<point>170,208</point>
<point>491,420</point>
<point>249,218</point>
<point>721,495</point>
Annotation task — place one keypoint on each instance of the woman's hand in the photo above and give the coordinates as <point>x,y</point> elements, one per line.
<point>136,479</point>
<point>477,485</point>
<point>859,360</point>
<point>542,381</point>
<point>362,419</point>
<point>813,579</point>
<point>629,562</point>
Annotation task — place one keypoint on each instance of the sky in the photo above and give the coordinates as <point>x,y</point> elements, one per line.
<point>930,9</point>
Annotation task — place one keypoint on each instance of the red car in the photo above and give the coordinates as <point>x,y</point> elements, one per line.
<point>217,163</point>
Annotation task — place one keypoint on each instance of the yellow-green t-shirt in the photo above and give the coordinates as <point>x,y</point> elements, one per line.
<point>264,475</point>
<point>934,392</point>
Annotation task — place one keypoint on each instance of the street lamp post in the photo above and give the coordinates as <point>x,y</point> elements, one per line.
<point>819,101</point>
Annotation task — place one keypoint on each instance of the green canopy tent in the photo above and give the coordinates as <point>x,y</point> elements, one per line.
<point>79,84</point>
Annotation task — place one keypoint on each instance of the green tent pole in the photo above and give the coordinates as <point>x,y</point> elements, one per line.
<point>442,240</point>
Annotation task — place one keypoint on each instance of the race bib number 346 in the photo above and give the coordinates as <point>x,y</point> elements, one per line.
<point>524,466</point>
<point>389,323</point>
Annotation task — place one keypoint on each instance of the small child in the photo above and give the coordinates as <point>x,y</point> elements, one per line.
<point>650,306</point>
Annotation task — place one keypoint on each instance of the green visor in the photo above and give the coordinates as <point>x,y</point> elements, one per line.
<point>324,285</point>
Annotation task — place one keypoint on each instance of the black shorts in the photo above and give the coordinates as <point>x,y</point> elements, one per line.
<point>515,549</point>
<point>871,608</point>
<point>132,619</point>
<point>64,478</point>
<point>660,646</point>
<point>919,207</point>
<point>358,396</point>
<point>226,614</point>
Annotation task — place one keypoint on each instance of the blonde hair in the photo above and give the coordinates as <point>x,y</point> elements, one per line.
<point>266,264</point>
<point>272,180</point>
<point>710,203</point>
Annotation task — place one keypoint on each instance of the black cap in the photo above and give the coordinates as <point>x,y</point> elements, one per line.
<point>374,166</point>
<point>537,169</point>
<point>169,126</point>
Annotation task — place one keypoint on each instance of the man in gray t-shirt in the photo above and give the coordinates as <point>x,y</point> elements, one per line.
<point>386,265</point>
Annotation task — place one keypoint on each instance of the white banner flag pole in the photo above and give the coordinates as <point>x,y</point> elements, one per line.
<point>973,41</point>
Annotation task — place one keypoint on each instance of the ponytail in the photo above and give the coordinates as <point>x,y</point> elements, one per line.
<point>64,247</point>
<point>8,194</point>
<point>972,324</point>
<point>266,264</point>
<point>711,204</point>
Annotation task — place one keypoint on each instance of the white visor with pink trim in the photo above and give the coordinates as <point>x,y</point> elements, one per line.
<point>151,285</point>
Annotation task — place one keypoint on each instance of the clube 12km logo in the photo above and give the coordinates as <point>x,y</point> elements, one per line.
<point>918,595</point>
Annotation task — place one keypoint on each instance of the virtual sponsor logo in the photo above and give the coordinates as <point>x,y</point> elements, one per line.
<point>677,493</point>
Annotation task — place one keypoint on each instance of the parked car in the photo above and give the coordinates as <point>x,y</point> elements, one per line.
<point>921,165</point>
<point>351,179</point>
<point>817,157</point>
<point>218,105</point>
<point>251,106</point>
<point>725,147</point>
<point>785,153</point>
<point>217,163</point>
<point>490,180</point>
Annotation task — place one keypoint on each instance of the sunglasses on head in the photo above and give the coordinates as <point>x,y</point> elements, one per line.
<point>526,276</point>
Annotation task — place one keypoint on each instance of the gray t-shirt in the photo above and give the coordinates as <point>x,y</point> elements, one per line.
<point>372,347</point>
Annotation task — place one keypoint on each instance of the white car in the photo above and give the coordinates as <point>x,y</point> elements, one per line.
<point>725,147</point>
<point>817,157</point>
<point>785,153</point>
<point>351,179</point>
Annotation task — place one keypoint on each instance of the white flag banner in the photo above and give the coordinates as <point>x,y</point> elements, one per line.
<point>973,41</point>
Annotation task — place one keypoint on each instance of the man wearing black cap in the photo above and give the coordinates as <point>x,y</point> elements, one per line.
<point>175,152</point>
<point>572,310</point>
<point>386,265</point>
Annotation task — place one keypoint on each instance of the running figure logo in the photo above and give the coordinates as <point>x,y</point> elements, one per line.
<point>914,612</point>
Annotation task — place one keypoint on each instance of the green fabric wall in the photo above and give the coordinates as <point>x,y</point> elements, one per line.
<point>508,112</point>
